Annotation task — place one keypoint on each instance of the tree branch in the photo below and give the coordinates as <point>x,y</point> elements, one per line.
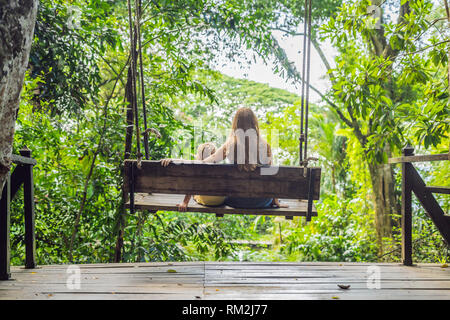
<point>292,72</point>
<point>313,41</point>
<point>321,54</point>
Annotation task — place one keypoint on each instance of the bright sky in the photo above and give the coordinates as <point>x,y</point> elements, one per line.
<point>263,73</point>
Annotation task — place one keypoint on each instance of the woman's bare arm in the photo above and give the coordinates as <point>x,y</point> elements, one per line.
<point>166,162</point>
<point>217,156</point>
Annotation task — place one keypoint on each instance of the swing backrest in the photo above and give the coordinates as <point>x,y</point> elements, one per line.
<point>287,182</point>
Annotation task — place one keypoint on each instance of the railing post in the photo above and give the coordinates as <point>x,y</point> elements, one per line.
<point>28,192</point>
<point>407,209</point>
<point>310,174</point>
<point>5,255</point>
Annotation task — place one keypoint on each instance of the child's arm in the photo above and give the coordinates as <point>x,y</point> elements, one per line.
<point>217,156</point>
<point>183,205</point>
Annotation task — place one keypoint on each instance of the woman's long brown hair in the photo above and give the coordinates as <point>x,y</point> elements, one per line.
<point>245,119</point>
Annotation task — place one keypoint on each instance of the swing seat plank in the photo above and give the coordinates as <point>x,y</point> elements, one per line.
<point>288,182</point>
<point>168,202</point>
<point>161,188</point>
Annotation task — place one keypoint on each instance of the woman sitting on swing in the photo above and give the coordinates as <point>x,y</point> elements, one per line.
<point>248,149</point>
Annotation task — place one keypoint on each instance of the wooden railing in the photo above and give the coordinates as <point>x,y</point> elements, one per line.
<point>412,182</point>
<point>22,175</point>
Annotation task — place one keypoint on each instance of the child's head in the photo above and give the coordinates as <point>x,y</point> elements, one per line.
<point>205,150</point>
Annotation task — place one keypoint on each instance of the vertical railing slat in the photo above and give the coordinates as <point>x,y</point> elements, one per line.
<point>28,192</point>
<point>407,209</point>
<point>5,253</point>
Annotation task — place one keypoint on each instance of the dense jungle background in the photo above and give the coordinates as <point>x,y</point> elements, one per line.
<point>388,87</point>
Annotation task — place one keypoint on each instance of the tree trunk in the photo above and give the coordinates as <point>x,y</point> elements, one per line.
<point>384,201</point>
<point>17,20</point>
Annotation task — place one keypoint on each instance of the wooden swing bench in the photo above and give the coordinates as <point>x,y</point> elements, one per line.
<point>153,187</point>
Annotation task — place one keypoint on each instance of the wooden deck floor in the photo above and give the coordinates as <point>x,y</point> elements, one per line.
<point>230,280</point>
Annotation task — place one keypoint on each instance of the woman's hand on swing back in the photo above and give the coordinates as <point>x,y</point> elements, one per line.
<point>165,162</point>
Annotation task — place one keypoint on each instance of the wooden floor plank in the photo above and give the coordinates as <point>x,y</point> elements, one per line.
<point>229,280</point>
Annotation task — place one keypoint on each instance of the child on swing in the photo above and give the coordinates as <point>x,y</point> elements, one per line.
<point>203,152</point>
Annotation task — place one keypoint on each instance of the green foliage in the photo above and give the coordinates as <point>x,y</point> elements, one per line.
<point>65,53</point>
<point>177,238</point>
<point>342,232</point>
<point>394,90</point>
<point>64,152</point>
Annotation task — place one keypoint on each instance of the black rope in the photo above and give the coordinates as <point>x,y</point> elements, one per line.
<point>303,86</point>
<point>308,73</point>
<point>133,80</point>
<point>144,111</point>
<point>303,145</point>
